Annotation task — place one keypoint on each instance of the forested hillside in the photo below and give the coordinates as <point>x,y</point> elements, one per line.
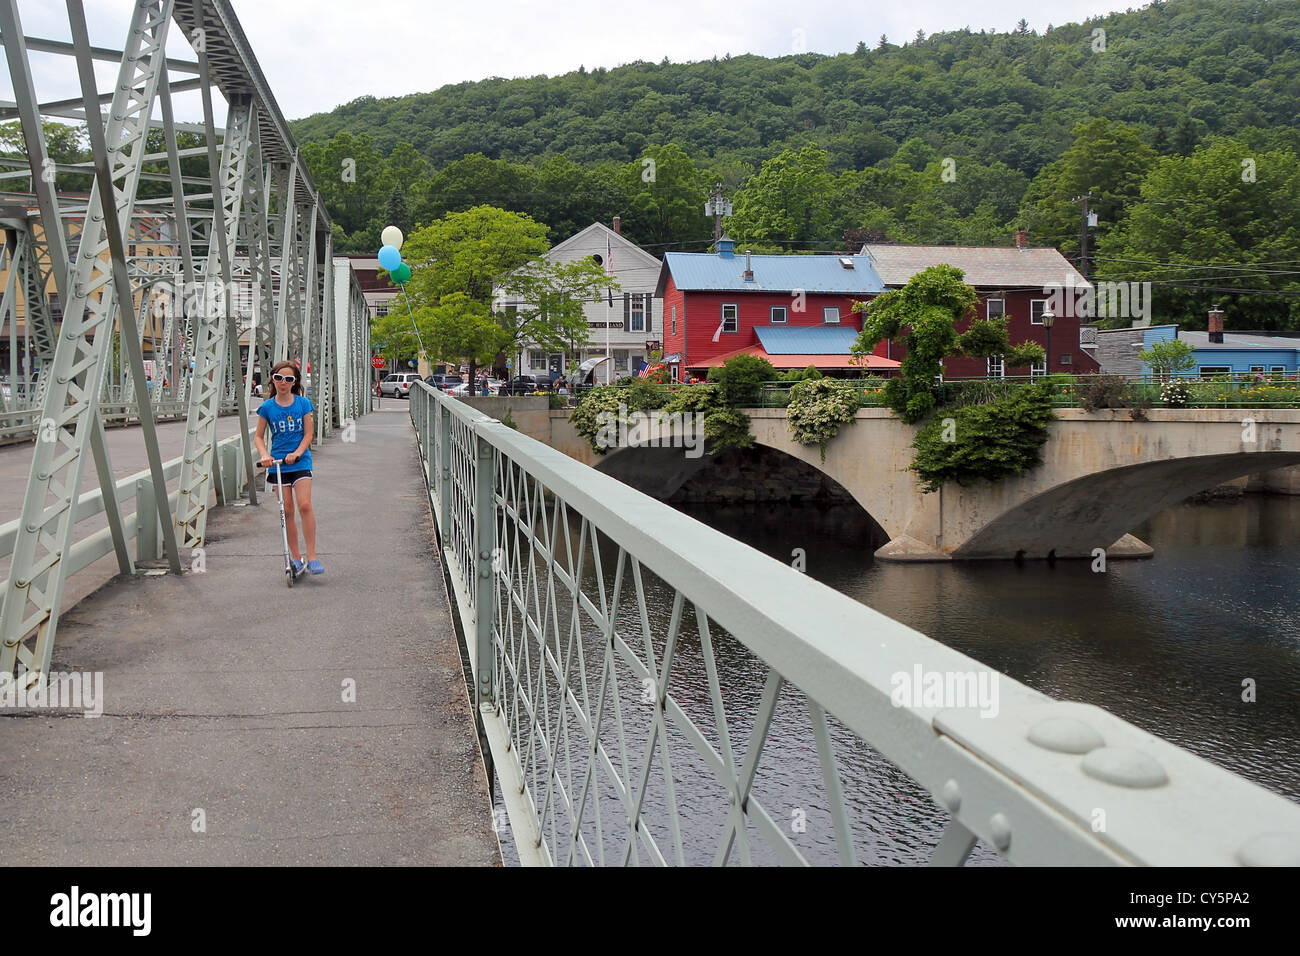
<point>1179,118</point>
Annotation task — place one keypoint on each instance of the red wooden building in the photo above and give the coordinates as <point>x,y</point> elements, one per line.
<point>1012,281</point>
<point>797,310</point>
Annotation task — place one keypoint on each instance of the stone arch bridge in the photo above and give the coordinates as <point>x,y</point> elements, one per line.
<point>1102,475</point>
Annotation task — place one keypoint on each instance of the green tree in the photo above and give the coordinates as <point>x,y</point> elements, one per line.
<point>1211,228</point>
<point>665,195</point>
<point>458,261</point>
<point>1107,159</point>
<point>922,315</point>
<point>787,202</point>
<point>1174,355</point>
<point>552,299</point>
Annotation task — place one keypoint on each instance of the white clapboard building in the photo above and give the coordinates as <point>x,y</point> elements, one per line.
<point>622,325</point>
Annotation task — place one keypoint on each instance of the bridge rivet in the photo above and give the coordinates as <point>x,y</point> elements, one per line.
<point>1270,849</point>
<point>1067,735</point>
<point>1125,767</point>
<point>950,796</point>
<point>1000,830</point>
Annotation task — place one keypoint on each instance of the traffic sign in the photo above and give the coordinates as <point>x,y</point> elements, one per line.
<point>377,362</point>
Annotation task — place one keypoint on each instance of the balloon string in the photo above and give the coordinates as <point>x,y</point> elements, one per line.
<point>414,327</point>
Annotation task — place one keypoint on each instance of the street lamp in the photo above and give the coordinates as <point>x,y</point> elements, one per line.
<point>1048,318</point>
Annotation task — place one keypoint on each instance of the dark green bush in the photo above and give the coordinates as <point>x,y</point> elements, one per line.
<point>741,378</point>
<point>986,442</point>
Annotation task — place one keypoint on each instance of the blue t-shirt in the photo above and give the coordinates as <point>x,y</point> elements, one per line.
<point>285,424</point>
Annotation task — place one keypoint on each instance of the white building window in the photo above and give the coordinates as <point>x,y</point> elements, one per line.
<point>620,360</point>
<point>1257,368</point>
<point>1036,309</point>
<point>1207,371</point>
<point>779,315</point>
<point>1038,368</point>
<point>674,320</point>
<point>831,315</point>
<point>730,311</point>
<point>995,308</point>
<point>996,367</point>
<point>638,307</point>
<point>536,359</point>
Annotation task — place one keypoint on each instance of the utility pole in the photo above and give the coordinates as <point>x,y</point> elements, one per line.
<point>717,207</point>
<point>1086,220</point>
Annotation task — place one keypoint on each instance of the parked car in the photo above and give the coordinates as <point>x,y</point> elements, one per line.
<point>525,385</point>
<point>398,384</point>
<point>444,381</point>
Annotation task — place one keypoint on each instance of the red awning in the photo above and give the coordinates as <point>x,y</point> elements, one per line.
<point>869,363</point>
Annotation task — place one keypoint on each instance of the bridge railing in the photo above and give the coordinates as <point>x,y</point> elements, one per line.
<point>641,678</point>
<point>136,500</point>
<point>1068,391</point>
<point>23,425</point>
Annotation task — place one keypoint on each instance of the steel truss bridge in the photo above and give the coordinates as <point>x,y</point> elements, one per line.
<point>599,624</point>
<point>202,246</point>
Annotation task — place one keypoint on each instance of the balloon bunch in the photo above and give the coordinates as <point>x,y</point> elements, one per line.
<point>390,256</point>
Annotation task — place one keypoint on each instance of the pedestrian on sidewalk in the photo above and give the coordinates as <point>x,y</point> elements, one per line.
<point>288,414</point>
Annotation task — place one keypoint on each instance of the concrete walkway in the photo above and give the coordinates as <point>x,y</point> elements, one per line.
<point>224,698</point>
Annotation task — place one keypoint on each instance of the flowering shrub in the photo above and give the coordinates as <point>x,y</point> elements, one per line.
<point>1176,393</point>
<point>818,408</point>
<point>607,398</point>
<point>1272,395</point>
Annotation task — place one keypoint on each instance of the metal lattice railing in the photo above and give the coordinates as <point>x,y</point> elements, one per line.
<point>653,691</point>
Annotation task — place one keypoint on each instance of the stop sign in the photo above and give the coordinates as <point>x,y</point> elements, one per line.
<point>378,362</point>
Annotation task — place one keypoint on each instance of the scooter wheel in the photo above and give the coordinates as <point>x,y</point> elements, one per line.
<point>288,577</point>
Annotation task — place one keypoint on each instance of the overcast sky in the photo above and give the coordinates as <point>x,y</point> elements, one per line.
<point>318,54</point>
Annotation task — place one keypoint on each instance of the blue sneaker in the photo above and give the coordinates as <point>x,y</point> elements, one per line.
<point>297,565</point>
<point>315,567</point>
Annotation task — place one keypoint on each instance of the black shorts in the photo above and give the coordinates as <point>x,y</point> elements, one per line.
<point>289,477</point>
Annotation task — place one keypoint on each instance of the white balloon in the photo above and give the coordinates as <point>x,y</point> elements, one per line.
<point>392,236</point>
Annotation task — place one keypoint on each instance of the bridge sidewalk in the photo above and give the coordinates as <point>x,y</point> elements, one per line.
<point>224,694</point>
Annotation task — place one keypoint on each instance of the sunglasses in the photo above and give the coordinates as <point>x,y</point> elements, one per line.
<point>284,378</point>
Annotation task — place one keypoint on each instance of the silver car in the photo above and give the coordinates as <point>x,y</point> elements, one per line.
<point>398,384</point>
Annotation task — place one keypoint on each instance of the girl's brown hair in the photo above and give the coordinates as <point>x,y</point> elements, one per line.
<point>296,387</point>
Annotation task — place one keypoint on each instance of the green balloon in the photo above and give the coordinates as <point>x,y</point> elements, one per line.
<point>401,275</point>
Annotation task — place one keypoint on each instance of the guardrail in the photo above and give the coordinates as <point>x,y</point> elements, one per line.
<point>598,621</point>
<point>142,525</point>
<point>1067,391</point>
<point>18,426</point>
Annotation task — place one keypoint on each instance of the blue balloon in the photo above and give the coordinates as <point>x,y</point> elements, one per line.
<point>390,258</point>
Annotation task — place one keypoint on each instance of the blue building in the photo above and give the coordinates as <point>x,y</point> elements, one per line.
<point>1238,353</point>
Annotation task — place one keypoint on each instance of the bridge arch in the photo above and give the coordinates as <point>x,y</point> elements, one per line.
<point>749,476</point>
<point>1073,518</point>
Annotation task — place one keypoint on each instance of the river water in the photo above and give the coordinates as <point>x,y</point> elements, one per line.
<point>1164,643</point>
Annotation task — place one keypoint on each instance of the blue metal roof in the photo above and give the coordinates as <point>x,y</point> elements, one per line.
<point>709,272</point>
<point>806,339</point>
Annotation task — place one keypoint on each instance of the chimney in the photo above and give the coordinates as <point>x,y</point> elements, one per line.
<point>618,225</point>
<point>749,273</point>
<point>1216,325</point>
<point>1022,238</point>
<point>726,248</point>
